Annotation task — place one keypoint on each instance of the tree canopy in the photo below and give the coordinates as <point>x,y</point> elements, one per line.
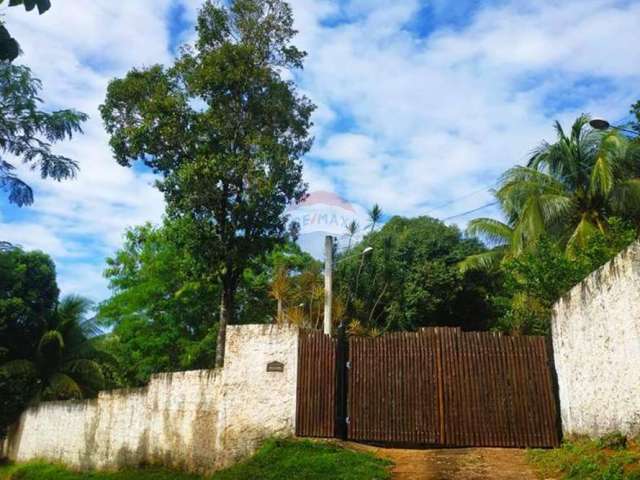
<point>410,278</point>
<point>226,131</point>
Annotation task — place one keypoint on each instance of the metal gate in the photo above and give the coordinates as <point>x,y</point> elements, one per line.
<point>438,386</point>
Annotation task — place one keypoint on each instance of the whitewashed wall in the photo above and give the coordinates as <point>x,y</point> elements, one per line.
<point>596,342</point>
<point>198,420</point>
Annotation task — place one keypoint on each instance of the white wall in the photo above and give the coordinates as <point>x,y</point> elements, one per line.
<point>198,420</point>
<point>596,342</point>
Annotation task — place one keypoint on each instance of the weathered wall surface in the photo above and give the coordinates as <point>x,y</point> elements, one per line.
<point>596,342</point>
<point>198,420</point>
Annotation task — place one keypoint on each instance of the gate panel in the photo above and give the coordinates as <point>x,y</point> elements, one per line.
<point>316,390</point>
<point>441,386</point>
<point>392,393</point>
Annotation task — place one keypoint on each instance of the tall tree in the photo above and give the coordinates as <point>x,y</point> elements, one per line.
<point>227,133</point>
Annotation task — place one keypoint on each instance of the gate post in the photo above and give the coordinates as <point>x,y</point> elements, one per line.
<point>342,382</point>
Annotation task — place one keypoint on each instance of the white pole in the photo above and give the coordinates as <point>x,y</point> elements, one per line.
<point>328,282</point>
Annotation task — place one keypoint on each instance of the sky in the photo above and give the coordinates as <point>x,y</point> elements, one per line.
<point>421,104</point>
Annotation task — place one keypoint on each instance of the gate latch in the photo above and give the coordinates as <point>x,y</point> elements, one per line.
<point>349,364</point>
<point>348,420</point>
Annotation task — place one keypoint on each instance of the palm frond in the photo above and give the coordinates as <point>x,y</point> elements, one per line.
<point>483,261</point>
<point>602,178</point>
<point>554,208</point>
<point>581,235</point>
<point>625,198</point>
<point>61,387</point>
<point>494,232</point>
<point>50,348</point>
<point>73,309</point>
<point>87,374</point>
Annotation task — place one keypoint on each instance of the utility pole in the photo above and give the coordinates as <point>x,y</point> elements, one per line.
<point>328,282</point>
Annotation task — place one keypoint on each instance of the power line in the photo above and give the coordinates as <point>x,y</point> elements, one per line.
<point>469,211</point>
<point>465,196</point>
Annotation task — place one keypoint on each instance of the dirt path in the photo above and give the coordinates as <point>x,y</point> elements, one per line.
<point>456,464</point>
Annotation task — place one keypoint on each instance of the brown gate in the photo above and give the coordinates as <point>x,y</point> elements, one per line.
<point>438,386</point>
<point>316,402</point>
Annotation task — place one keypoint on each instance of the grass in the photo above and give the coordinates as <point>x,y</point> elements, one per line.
<point>277,459</point>
<point>608,458</point>
<point>304,460</point>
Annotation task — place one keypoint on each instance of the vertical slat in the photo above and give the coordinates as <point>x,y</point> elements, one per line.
<point>439,386</point>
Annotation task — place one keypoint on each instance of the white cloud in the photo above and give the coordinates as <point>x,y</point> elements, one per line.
<point>438,116</point>
<point>404,120</point>
<point>75,49</point>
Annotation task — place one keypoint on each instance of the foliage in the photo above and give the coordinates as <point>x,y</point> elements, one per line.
<point>537,278</point>
<point>27,133</point>
<point>9,48</point>
<point>584,459</point>
<point>571,188</point>
<point>410,279</point>
<point>163,308</point>
<point>28,297</point>
<point>284,459</point>
<point>635,111</point>
<point>276,460</point>
<point>375,217</point>
<point>64,363</point>
<point>161,311</point>
<point>46,345</point>
<point>226,131</point>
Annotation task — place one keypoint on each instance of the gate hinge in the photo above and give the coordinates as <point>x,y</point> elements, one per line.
<point>349,364</point>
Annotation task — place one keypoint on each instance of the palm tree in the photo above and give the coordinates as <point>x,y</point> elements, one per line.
<point>65,363</point>
<point>570,188</point>
<point>352,229</point>
<point>375,215</point>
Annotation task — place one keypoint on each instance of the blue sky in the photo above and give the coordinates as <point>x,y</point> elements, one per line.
<point>419,102</point>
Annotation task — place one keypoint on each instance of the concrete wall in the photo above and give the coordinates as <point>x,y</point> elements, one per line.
<point>596,342</point>
<point>197,420</point>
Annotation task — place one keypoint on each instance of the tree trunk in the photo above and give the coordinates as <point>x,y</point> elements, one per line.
<point>280,315</point>
<point>226,315</point>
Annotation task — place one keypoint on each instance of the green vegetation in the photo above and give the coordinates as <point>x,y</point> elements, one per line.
<point>608,458</point>
<point>47,349</point>
<point>410,279</point>
<point>573,207</point>
<point>163,310</point>
<point>45,471</point>
<point>276,460</point>
<point>286,459</point>
<point>227,133</point>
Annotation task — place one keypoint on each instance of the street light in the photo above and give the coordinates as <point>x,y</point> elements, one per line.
<point>602,124</point>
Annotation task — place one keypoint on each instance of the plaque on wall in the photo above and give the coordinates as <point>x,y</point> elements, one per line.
<point>275,367</point>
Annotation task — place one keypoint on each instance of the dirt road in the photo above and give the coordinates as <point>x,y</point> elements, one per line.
<point>456,464</point>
